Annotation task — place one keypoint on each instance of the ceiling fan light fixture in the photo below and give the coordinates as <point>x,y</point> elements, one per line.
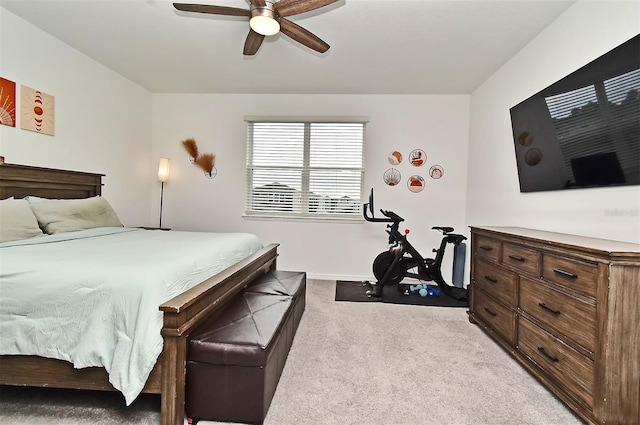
<point>263,20</point>
<point>268,17</point>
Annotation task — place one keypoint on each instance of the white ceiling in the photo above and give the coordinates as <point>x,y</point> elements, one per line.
<point>377,46</point>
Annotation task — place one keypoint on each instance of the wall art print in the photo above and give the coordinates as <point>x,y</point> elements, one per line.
<point>436,172</point>
<point>395,158</point>
<point>7,102</point>
<point>392,177</point>
<point>37,111</point>
<point>415,183</point>
<point>417,157</point>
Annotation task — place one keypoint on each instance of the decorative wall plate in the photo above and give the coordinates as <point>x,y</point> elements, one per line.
<point>395,158</point>
<point>417,157</point>
<point>415,183</point>
<point>436,172</point>
<point>392,177</point>
<point>212,174</point>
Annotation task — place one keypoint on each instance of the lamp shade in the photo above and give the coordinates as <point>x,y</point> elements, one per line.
<point>263,19</point>
<point>163,169</point>
<point>264,25</point>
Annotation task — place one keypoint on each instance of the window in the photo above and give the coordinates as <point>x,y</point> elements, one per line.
<point>304,169</point>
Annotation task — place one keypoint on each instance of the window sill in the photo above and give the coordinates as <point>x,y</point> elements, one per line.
<point>335,220</point>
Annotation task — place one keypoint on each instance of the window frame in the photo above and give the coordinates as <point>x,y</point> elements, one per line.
<point>305,169</point>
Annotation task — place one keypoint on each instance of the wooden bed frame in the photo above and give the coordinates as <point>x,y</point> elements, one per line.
<point>181,314</point>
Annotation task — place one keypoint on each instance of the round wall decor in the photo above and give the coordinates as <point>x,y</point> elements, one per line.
<point>417,157</point>
<point>415,183</point>
<point>436,172</point>
<point>391,177</point>
<point>395,158</point>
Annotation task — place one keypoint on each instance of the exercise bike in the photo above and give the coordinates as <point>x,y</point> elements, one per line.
<point>403,260</point>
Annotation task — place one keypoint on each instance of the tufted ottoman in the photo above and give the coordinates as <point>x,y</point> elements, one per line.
<point>236,359</point>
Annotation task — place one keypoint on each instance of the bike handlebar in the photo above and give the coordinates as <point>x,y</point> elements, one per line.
<point>391,216</point>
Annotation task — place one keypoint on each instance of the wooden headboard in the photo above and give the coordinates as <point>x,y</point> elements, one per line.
<point>24,180</point>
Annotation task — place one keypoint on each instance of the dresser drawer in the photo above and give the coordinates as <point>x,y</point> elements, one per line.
<point>487,248</point>
<point>573,274</point>
<point>495,280</point>
<point>523,259</point>
<point>568,316</point>
<point>499,318</point>
<point>572,370</point>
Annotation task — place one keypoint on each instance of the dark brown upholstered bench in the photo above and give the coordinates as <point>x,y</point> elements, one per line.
<point>234,361</point>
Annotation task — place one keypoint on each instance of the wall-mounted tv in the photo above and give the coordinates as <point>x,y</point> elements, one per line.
<point>584,130</point>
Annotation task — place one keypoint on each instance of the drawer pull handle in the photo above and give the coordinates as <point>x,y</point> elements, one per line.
<point>490,312</point>
<point>491,279</point>
<point>547,355</point>
<point>486,248</point>
<point>546,307</point>
<point>565,273</point>
<point>517,258</point>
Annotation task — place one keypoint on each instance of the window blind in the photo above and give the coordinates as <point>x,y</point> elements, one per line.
<point>304,169</point>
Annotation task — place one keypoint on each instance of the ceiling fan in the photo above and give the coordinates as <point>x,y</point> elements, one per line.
<point>267,17</point>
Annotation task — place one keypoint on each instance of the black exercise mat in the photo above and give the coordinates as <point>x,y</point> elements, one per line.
<point>347,290</point>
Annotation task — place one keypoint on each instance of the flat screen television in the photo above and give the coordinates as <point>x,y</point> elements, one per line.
<point>584,130</point>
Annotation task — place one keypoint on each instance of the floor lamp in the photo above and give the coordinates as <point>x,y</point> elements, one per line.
<point>163,176</point>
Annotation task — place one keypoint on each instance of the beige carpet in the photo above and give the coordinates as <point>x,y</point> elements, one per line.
<point>353,363</point>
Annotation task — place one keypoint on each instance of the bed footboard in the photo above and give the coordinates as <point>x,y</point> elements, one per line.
<point>184,312</point>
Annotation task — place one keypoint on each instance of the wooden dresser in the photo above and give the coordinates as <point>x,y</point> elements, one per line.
<point>568,309</point>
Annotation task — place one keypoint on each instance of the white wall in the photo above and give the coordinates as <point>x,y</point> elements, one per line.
<point>102,120</point>
<point>584,32</point>
<point>436,124</point>
<point>107,124</point>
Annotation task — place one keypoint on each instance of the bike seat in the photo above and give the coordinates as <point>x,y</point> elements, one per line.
<point>444,230</point>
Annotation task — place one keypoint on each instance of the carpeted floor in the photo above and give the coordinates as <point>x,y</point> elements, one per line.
<point>356,291</point>
<point>52,406</point>
<point>353,363</point>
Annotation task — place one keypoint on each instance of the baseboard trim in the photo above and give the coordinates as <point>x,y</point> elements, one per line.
<point>321,276</point>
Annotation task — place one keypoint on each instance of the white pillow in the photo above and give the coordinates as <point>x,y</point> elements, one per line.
<point>59,216</point>
<point>17,221</point>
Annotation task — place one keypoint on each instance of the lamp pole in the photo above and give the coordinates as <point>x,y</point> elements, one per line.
<point>161,198</point>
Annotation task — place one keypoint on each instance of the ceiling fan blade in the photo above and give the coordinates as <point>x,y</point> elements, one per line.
<point>252,43</point>
<point>214,10</point>
<point>294,7</point>
<point>302,36</point>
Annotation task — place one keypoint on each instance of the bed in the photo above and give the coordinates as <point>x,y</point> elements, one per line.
<point>180,315</point>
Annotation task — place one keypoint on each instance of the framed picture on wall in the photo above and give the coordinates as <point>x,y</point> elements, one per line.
<point>37,111</point>
<point>7,102</point>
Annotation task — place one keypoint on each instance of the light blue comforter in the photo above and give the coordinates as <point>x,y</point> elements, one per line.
<point>91,297</point>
